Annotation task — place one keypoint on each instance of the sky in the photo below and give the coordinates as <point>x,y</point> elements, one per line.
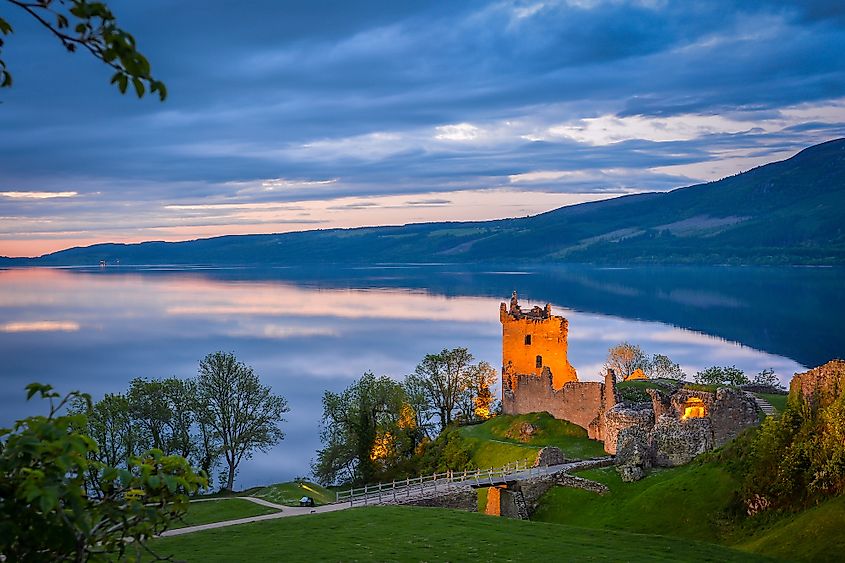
<point>289,116</point>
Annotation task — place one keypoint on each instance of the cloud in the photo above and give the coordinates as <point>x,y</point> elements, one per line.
<point>39,326</point>
<point>398,98</point>
<point>37,195</point>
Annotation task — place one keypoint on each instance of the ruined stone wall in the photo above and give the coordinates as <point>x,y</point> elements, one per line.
<point>579,402</point>
<point>536,333</point>
<point>463,499</point>
<point>732,413</point>
<point>621,417</point>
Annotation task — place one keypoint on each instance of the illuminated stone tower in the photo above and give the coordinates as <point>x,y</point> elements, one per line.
<point>534,341</point>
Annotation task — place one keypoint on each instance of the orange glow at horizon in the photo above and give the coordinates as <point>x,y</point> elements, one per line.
<point>173,222</point>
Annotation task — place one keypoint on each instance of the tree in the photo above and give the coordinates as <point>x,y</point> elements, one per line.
<point>767,377</point>
<point>661,367</point>
<point>477,399</point>
<point>624,359</point>
<point>111,426</point>
<point>243,413</point>
<point>443,377</point>
<point>366,425</point>
<point>50,509</point>
<point>150,409</point>
<point>91,26</point>
<point>726,375</point>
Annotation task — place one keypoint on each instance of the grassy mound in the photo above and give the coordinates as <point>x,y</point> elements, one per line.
<point>684,502</point>
<point>692,502</point>
<point>429,534</point>
<point>219,510</point>
<point>290,493</point>
<point>816,534</point>
<point>499,441</point>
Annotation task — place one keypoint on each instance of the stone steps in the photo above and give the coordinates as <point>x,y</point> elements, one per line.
<point>764,405</point>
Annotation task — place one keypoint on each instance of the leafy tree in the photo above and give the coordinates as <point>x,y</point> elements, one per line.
<point>443,377</point>
<point>90,26</point>
<point>49,508</point>
<point>624,359</point>
<point>111,426</point>
<point>767,377</point>
<point>477,399</point>
<point>362,428</point>
<point>416,395</point>
<point>150,409</point>
<point>798,457</point>
<point>243,413</point>
<point>726,375</point>
<point>662,367</point>
<point>182,400</point>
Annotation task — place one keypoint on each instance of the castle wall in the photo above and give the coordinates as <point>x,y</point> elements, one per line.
<point>579,402</point>
<point>547,334</point>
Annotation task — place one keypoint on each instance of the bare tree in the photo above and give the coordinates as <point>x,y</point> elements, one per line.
<point>624,359</point>
<point>243,413</point>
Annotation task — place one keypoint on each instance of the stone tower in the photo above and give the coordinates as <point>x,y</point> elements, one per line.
<point>534,342</point>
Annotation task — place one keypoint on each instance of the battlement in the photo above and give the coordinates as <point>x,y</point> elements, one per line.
<point>534,341</point>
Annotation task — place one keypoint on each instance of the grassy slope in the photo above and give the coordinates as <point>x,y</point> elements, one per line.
<point>290,493</point>
<point>496,442</point>
<point>428,534</point>
<point>688,502</point>
<point>678,502</point>
<point>219,510</point>
<point>817,534</point>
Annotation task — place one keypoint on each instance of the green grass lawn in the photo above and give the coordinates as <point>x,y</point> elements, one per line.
<point>290,493</point>
<point>777,401</point>
<point>682,502</point>
<point>208,511</point>
<point>429,534</point>
<point>497,441</point>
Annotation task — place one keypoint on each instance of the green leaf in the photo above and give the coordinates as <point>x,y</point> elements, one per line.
<point>5,27</point>
<point>139,86</point>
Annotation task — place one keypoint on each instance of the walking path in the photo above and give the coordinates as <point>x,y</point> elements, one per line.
<point>284,512</point>
<point>396,495</point>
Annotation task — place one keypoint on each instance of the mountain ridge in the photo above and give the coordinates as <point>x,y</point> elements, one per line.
<point>786,212</point>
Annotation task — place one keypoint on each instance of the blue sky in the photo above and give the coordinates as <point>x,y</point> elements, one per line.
<point>289,116</point>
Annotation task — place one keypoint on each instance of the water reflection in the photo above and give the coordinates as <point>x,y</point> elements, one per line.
<point>303,332</point>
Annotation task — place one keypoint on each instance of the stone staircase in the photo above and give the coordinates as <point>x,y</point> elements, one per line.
<point>763,404</point>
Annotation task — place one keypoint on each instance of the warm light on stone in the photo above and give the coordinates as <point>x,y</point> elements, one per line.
<point>694,408</point>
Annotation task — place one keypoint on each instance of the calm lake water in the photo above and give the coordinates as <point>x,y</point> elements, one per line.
<point>308,330</point>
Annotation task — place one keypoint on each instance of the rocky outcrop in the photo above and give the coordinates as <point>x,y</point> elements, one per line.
<point>633,453</point>
<point>622,416</point>
<point>550,455</point>
<point>820,385</point>
<point>677,442</point>
<point>733,411</point>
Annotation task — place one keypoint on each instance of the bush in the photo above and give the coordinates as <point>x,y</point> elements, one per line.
<point>58,503</point>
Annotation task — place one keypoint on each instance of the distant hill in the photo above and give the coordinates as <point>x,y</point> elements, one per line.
<point>788,212</point>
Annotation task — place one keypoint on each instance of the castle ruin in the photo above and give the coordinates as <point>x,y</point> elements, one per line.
<point>537,375</point>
